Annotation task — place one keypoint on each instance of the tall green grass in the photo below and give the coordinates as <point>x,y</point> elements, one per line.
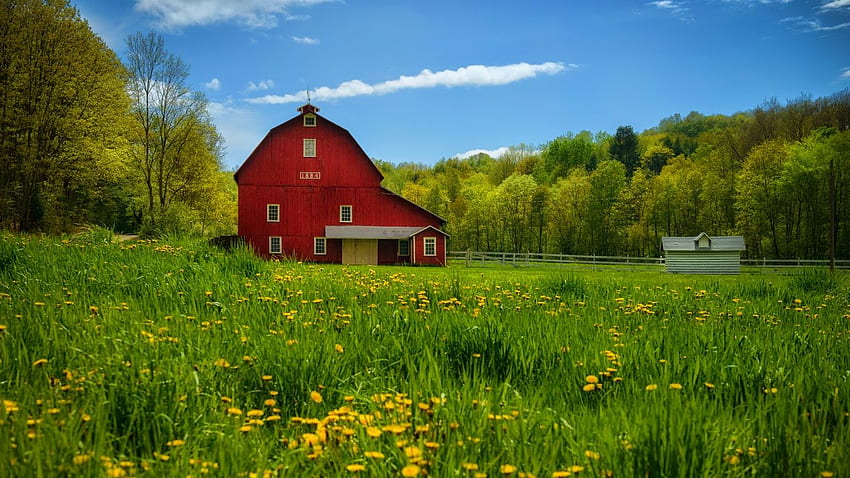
<point>176,359</point>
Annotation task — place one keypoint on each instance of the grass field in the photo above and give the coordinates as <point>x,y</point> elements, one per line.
<point>176,359</point>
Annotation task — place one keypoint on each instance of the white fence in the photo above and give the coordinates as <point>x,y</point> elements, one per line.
<point>522,259</point>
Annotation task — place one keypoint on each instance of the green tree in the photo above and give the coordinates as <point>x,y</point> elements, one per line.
<point>62,109</point>
<point>175,145</point>
<point>624,148</point>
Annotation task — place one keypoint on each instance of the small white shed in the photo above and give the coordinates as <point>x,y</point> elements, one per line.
<point>703,254</point>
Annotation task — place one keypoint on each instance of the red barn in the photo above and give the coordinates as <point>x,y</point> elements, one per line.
<point>308,191</point>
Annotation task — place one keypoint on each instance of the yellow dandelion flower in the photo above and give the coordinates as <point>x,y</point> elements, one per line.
<point>591,454</point>
<point>413,452</point>
<point>589,387</point>
<point>591,379</point>
<point>355,467</point>
<point>410,471</point>
<point>339,348</point>
<point>561,474</point>
<point>432,445</point>
<point>651,387</point>
<point>827,474</point>
<point>576,468</point>
<point>709,385</point>
<point>675,386</point>
<point>270,402</point>
<point>266,378</point>
<point>469,466</point>
<point>507,469</point>
<point>254,413</point>
<point>222,363</point>
<point>234,411</point>
<point>80,459</point>
<point>373,454</point>
<point>373,432</point>
<point>40,362</point>
<point>245,428</point>
<point>176,443</point>
<point>316,396</point>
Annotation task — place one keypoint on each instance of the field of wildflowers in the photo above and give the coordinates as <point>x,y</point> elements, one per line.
<point>173,358</point>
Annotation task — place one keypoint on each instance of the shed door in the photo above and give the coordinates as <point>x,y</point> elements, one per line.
<point>360,251</point>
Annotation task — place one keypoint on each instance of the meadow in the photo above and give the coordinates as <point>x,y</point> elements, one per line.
<point>173,358</point>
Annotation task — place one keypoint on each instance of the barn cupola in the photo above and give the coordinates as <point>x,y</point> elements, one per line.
<point>308,113</point>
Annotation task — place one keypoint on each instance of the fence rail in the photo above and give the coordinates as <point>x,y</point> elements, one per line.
<point>520,259</point>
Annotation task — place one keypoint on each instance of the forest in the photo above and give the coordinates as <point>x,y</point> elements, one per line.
<point>89,140</point>
<point>778,174</point>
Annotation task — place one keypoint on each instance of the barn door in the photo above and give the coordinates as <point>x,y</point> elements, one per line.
<point>360,251</point>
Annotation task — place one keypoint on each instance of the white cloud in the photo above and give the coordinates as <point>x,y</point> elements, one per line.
<point>493,153</point>
<point>835,4</point>
<point>676,8</point>
<point>213,84</point>
<point>261,86</point>
<point>305,40</point>
<point>251,13</point>
<point>473,75</point>
<point>812,24</point>
<point>845,74</point>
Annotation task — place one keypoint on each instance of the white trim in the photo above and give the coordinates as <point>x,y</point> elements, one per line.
<point>309,148</point>
<point>279,245</point>
<point>350,213</point>
<point>310,116</point>
<point>324,242</point>
<point>425,241</point>
<point>269,210</point>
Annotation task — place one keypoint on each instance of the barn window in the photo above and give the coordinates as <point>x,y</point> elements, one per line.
<point>273,212</point>
<point>309,148</point>
<point>320,246</point>
<point>403,247</point>
<point>345,214</point>
<point>430,246</point>
<point>274,245</point>
<point>309,120</point>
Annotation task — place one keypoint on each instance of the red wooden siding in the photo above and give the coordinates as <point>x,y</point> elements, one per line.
<point>310,192</point>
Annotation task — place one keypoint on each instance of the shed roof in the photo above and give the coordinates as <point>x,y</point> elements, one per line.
<point>717,243</point>
<point>376,232</point>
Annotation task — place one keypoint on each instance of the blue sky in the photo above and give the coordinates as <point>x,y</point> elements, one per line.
<point>419,81</point>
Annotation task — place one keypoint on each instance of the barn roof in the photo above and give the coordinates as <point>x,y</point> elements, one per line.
<point>717,243</point>
<point>376,232</point>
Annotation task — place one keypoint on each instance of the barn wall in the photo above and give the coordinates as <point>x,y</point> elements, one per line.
<point>417,249</point>
<point>717,262</point>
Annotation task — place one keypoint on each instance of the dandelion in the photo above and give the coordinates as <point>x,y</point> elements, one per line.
<point>373,454</point>
<point>316,396</point>
<point>234,411</point>
<point>245,428</point>
<point>355,467</point>
<point>507,469</point>
<point>373,432</point>
<point>709,385</point>
<point>592,454</point>
<point>591,379</point>
<point>469,466</point>
<point>40,362</point>
<point>675,386</point>
<point>827,474</point>
<point>339,348</point>
<point>410,471</point>
<point>651,387</point>
<point>561,474</point>
<point>176,443</point>
<point>589,387</point>
<point>266,378</point>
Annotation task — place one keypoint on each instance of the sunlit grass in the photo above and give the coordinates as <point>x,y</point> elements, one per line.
<point>176,359</point>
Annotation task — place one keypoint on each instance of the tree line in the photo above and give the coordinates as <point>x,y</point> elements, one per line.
<point>86,139</point>
<point>779,175</point>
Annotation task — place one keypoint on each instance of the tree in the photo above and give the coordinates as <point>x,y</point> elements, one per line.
<point>62,109</point>
<point>515,199</point>
<point>175,142</point>
<point>624,148</point>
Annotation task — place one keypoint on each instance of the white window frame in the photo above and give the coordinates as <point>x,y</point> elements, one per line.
<point>407,243</point>
<point>432,241</point>
<point>309,148</point>
<point>350,213</point>
<point>269,209</point>
<point>310,120</point>
<point>279,249</point>
<point>320,250</point>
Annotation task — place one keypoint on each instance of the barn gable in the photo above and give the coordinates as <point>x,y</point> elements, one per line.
<point>309,191</point>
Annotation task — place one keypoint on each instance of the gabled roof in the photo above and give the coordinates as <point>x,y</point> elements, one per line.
<point>717,243</point>
<point>376,232</point>
<point>302,110</point>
